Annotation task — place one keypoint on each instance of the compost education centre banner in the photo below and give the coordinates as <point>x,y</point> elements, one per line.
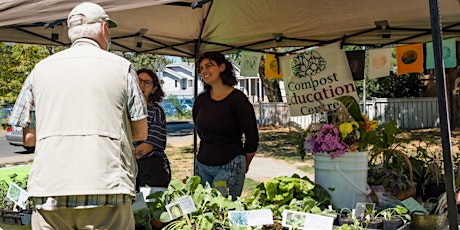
<point>313,79</point>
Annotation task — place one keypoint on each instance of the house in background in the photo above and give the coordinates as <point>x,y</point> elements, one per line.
<point>179,79</point>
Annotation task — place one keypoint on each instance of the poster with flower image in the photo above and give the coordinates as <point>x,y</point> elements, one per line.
<point>314,78</point>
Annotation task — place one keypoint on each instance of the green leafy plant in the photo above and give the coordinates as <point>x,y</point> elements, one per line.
<point>212,207</point>
<point>4,185</point>
<point>290,193</point>
<point>395,212</point>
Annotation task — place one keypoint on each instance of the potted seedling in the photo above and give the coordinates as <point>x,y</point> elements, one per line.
<point>393,218</point>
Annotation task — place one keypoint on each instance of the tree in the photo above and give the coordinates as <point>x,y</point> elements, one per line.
<point>393,86</point>
<point>271,86</point>
<point>16,62</point>
<point>143,60</point>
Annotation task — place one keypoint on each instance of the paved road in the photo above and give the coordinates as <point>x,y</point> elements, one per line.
<point>178,131</point>
<point>10,154</point>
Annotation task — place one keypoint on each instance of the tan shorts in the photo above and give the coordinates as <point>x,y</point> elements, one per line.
<point>104,217</point>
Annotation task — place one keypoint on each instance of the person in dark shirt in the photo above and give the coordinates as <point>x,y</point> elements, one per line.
<point>222,114</point>
<point>153,164</point>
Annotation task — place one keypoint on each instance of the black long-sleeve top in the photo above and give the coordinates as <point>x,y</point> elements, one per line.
<point>221,125</point>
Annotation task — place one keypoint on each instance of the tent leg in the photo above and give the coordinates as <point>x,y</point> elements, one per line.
<point>443,113</point>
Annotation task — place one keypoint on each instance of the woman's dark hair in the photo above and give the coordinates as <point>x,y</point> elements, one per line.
<point>158,95</point>
<point>228,76</point>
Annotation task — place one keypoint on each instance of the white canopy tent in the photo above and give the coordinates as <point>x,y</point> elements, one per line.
<point>174,28</point>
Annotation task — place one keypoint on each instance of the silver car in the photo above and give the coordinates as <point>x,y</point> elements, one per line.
<point>13,133</point>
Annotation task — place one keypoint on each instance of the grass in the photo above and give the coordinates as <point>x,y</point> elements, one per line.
<point>21,171</point>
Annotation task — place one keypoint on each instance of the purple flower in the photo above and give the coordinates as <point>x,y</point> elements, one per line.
<point>327,140</point>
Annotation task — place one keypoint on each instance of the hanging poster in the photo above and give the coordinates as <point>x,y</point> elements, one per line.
<point>449,52</point>
<point>272,69</point>
<point>250,63</point>
<point>356,60</point>
<point>379,63</point>
<point>313,79</point>
<point>410,58</point>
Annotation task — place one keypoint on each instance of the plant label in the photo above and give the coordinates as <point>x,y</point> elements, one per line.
<point>139,202</point>
<point>364,209</point>
<point>251,218</point>
<point>18,195</point>
<point>180,207</point>
<point>414,206</point>
<point>307,221</point>
<point>146,191</point>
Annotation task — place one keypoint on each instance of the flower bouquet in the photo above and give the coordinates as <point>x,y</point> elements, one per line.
<point>346,130</point>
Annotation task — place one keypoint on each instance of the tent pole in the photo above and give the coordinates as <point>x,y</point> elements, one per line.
<point>364,87</point>
<point>195,90</point>
<point>443,113</point>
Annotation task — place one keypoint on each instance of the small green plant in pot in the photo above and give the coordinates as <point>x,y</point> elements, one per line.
<point>393,218</point>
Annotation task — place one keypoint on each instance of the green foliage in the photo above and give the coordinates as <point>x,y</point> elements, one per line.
<point>143,60</point>
<point>393,86</point>
<point>4,185</point>
<point>181,113</point>
<point>290,193</point>
<point>385,138</point>
<point>297,137</point>
<point>396,212</point>
<point>16,62</point>
<point>212,207</point>
<point>282,193</point>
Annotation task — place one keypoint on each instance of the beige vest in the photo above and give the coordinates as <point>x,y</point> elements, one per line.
<point>83,133</point>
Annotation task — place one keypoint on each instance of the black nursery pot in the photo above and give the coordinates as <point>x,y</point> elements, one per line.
<point>392,224</point>
<point>373,224</point>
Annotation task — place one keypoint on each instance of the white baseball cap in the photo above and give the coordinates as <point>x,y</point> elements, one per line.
<point>93,13</point>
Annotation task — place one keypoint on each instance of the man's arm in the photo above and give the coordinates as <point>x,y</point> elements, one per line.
<point>28,135</point>
<point>139,129</point>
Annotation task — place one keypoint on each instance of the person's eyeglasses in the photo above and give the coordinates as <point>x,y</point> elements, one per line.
<point>146,82</point>
<point>206,66</point>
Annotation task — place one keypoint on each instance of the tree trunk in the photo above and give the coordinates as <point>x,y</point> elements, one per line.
<point>271,86</point>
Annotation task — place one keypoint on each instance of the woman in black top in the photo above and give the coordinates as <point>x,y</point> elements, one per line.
<point>222,114</point>
<point>153,165</point>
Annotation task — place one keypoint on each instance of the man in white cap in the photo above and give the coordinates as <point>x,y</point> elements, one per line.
<point>84,108</point>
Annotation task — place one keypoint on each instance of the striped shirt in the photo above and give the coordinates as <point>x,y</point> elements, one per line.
<point>81,201</point>
<point>157,128</point>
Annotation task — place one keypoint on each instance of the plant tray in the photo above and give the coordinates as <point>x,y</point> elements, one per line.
<point>11,217</point>
<point>406,226</point>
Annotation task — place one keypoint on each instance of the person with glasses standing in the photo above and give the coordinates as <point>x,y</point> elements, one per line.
<point>222,115</point>
<point>153,165</point>
<point>85,109</point>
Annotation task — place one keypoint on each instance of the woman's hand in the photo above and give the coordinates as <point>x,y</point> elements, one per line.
<point>249,157</point>
<point>141,150</point>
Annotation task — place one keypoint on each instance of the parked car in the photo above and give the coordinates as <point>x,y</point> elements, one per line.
<point>4,114</point>
<point>13,133</point>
